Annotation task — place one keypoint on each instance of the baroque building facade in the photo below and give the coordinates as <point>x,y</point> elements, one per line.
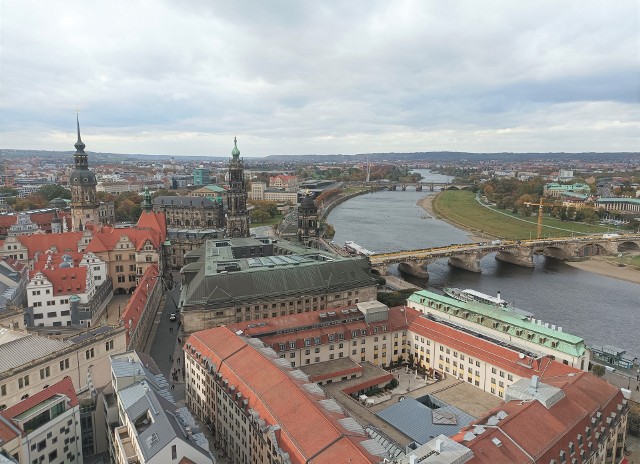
<point>237,214</point>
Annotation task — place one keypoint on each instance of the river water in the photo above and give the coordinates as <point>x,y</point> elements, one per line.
<point>599,309</point>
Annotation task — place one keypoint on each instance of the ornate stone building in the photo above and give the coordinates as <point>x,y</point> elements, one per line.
<point>308,230</point>
<point>191,212</point>
<point>237,215</point>
<point>85,207</point>
<point>241,279</point>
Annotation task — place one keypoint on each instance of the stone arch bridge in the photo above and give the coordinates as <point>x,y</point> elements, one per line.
<point>519,252</point>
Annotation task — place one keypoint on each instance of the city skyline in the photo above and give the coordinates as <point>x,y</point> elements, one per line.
<point>157,78</point>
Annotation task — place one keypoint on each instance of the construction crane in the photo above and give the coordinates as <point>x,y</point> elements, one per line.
<point>540,207</point>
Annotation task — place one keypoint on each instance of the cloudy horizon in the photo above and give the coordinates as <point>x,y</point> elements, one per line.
<point>184,78</point>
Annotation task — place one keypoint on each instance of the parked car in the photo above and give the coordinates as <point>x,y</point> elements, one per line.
<point>172,317</point>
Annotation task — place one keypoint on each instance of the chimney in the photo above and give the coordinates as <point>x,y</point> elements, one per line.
<point>412,459</point>
<point>499,296</point>
<point>534,382</point>
<point>439,442</point>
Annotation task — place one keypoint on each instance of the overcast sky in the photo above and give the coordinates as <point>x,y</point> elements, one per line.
<point>292,77</point>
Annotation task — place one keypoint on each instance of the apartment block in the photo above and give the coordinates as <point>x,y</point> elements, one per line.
<point>44,427</point>
<point>145,425</point>
<point>31,362</point>
<point>507,326</point>
<point>263,410</point>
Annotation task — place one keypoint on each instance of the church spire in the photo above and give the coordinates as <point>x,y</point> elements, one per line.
<point>80,146</point>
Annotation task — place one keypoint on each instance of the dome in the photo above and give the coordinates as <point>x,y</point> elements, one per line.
<point>82,177</point>
<point>235,152</point>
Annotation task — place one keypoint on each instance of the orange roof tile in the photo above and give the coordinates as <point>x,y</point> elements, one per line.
<point>585,395</point>
<point>67,241</point>
<point>65,281</point>
<point>108,237</point>
<point>306,428</point>
<point>56,259</point>
<point>154,221</point>
<point>64,387</point>
<point>399,318</point>
<point>133,310</point>
<point>479,348</point>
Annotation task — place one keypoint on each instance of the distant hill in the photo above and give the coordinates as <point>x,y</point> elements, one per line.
<point>433,156</point>
<point>444,156</point>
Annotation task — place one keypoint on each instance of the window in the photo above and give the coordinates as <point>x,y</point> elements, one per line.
<point>44,373</point>
<point>89,354</point>
<point>3,390</point>
<point>64,364</point>
<point>23,381</point>
<point>119,268</point>
<point>109,345</point>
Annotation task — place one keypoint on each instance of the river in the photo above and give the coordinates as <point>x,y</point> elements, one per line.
<point>600,309</point>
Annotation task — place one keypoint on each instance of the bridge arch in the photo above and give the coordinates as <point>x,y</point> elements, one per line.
<point>551,252</point>
<point>628,246</point>
<point>591,249</point>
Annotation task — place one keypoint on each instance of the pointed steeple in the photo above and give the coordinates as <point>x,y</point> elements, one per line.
<point>80,146</point>
<point>235,153</point>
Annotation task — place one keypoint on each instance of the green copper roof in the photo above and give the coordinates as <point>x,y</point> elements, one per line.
<point>235,152</point>
<point>510,322</point>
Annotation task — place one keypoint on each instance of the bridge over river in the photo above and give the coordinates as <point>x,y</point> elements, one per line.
<point>520,252</point>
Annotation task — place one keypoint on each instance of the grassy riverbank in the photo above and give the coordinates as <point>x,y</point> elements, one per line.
<point>461,208</point>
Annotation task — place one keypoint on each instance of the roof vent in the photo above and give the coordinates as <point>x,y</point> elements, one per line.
<point>497,442</point>
<point>535,380</point>
<point>439,446</point>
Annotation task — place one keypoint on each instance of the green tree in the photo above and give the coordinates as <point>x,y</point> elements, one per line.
<point>598,370</point>
<point>9,191</point>
<point>49,192</point>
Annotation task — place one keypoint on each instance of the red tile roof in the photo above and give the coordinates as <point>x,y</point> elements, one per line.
<point>475,347</point>
<point>56,259</point>
<point>133,310</point>
<point>65,281</point>
<point>64,387</point>
<point>306,428</point>
<point>67,241</point>
<point>155,222</point>
<point>108,237</point>
<point>585,395</point>
<point>399,318</point>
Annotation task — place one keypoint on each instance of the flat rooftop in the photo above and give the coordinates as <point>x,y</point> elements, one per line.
<point>335,366</point>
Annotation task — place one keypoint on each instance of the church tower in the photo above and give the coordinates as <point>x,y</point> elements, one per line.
<point>308,231</point>
<point>237,216</point>
<point>84,202</point>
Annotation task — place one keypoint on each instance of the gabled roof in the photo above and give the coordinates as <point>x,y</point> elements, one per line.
<point>155,222</point>
<point>306,429</point>
<point>109,237</point>
<point>67,241</point>
<point>476,347</point>
<point>57,259</point>
<point>567,343</point>
<point>520,435</point>
<point>64,387</point>
<point>65,281</point>
<point>137,301</point>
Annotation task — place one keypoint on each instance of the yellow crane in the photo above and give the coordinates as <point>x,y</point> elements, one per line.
<point>540,207</point>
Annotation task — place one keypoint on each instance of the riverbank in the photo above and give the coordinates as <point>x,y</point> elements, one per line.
<point>594,265</point>
<point>426,204</point>
<point>601,267</point>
